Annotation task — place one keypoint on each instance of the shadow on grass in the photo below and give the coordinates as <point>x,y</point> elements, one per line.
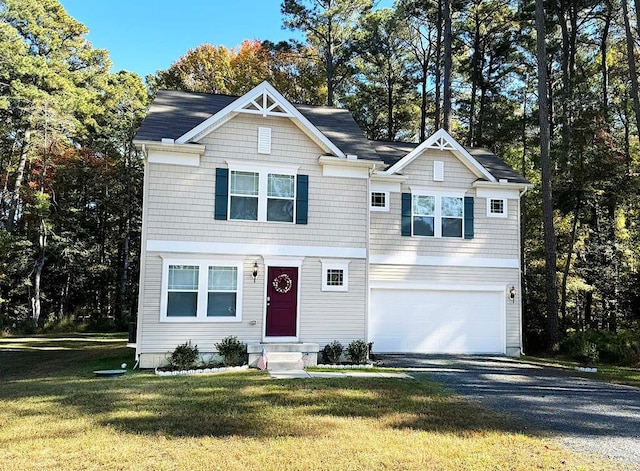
<point>251,404</point>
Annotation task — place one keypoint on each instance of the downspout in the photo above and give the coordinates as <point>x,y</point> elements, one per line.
<point>520,248</point>
<point>143,257</point>
<point>367,248</point>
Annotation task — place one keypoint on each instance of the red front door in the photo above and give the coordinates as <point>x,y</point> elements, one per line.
<point>282,301</point>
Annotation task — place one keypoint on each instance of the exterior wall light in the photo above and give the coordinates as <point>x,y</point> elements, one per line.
<point>255,271</point>
<point>512,294</point>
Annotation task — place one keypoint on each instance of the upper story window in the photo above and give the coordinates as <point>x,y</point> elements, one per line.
<point>496,207</point>
<point>437,215</point>
<point>244,195</point>
<point>281,193</point>
<point>262,195</point>
<point>379,201</point>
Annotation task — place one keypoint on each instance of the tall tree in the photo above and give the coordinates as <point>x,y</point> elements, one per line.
<point>547,196</point>
<point>330,26</point>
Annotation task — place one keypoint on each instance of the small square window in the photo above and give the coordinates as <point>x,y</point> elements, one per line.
<point>497,207</point>
<point>379,201</point>
<point>335,275</point>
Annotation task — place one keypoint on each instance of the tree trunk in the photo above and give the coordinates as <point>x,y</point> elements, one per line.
<point>604,68</point>
<point>329,65</point>
<point>567,265</point>
<point>15,197</point>
<point>390,131</point>
<point>447,66</point>
<point>423,104</point>
<point>547,196</point>
<point>633,73</point>
<point>475,76</point>
<point>36,300</point>
<point>438,74</point>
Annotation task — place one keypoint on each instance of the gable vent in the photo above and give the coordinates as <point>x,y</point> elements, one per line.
<point>264,140</point>
<point>438,171</point>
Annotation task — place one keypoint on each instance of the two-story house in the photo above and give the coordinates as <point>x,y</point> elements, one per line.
<point>281,224</point>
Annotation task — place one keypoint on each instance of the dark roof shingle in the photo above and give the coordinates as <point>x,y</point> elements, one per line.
<point>173,113</point>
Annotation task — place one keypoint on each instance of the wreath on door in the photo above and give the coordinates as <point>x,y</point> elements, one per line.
<point>282,283</point>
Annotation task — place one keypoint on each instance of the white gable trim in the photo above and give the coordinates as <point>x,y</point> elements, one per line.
<point>442,140</point>
<point>256,102</point>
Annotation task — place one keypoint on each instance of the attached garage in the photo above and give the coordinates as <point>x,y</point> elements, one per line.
<point>437,320</point>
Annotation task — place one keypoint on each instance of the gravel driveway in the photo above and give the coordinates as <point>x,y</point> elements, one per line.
<point>585,414</point>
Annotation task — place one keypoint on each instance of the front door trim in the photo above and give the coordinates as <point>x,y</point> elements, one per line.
<point>288,262</point>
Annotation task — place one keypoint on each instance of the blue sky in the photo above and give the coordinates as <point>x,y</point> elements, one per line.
<point>147,35</point>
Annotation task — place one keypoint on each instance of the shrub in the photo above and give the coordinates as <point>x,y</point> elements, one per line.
<point>358,352</point>
<point>184,357</point>
<point>618,348</point>
<point>332,352</point>
<point>232,351</point>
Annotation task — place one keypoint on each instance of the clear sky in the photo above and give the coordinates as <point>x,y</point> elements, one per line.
<point>143,36</point>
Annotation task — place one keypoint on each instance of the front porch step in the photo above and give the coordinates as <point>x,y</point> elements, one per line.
<point>284,356</point>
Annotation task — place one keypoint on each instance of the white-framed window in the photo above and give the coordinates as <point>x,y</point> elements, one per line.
<point>201,290</point>
<point>496,207</point>
<point>261,193</point>
<point>281,197</point>
<point>335,275</point>
<point>244,195</point>
<point>379,201</point>
<point>437,214</point>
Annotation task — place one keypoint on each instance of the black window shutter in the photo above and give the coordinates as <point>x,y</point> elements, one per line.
<point>302,198</point>
<point>222,193</point>
<point>406,214</point>
<point>468,217</point>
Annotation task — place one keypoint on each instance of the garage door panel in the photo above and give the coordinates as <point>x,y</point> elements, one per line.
<point>431,321</point>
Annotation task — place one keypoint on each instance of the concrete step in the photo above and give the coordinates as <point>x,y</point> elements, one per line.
<point>284,355</point>
<point>283,347</point>
<point>284,365</point>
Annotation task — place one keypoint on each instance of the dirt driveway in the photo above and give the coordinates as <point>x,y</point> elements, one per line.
<point>585,414</point>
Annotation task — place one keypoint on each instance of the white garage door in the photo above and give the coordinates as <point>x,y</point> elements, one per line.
<point>433,321</point>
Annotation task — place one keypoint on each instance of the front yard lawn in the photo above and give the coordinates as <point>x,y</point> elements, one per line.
<point>56,416</point>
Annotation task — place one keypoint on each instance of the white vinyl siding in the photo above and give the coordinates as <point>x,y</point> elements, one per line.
<point>180,202</point>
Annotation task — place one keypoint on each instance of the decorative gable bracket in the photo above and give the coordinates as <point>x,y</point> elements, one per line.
<point>265,104</point>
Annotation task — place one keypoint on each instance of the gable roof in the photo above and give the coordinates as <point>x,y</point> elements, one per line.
<point>175,114</point>
<point>393,152</point>
<point>182,115</point>
<point>442,140</point>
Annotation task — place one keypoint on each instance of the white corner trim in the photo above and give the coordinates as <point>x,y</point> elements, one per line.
<point>222,248</point>
<point>344,172</point>
<point>173,158</point>
<point>384,284</point>
<point>394,259</point>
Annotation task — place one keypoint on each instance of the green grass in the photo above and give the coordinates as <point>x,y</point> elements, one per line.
<point>56,415</point>
<point>609,373</point>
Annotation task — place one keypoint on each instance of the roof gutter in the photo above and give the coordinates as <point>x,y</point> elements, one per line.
<point>169,145</point>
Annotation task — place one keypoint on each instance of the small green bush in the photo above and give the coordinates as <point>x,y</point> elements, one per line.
<point>615,348</point>
<point>332,352</point>
<point>358,351</point>
<point>184,357</point>
<point>232,351</point>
